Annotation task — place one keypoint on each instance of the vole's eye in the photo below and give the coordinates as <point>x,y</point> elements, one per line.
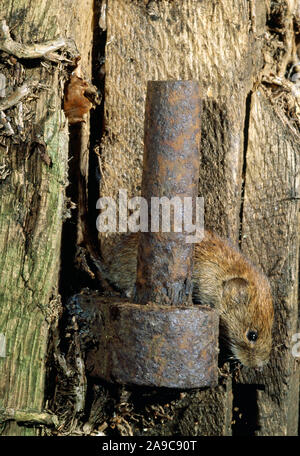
<point>252,336</point>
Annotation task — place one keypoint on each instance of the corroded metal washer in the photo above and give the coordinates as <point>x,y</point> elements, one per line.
<point>151,345</point>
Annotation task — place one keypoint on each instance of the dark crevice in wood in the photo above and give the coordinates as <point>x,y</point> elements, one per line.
<point>96,130</point>
<point>91,242</point>
<point>67,283</point>
<point>77,267</point>
<point>245,419</point>
<point>244,165</point>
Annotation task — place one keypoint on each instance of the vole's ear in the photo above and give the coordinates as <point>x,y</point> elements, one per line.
<point>236,290</point>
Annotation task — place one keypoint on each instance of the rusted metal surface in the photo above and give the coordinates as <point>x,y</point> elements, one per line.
<point>150,345</point>
<point>170,169</point>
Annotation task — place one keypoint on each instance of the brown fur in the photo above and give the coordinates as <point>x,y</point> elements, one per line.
<point>222,278</point>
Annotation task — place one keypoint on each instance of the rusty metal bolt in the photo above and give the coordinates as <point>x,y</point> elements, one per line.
<point>170,169</point>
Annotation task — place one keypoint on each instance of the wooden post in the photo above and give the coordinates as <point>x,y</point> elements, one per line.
<point>32,195</point>
<point>270,237</point>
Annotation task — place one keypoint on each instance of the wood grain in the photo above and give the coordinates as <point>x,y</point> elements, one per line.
<point>178,40</point>
<point>270,237</point>
<point>32,205</point>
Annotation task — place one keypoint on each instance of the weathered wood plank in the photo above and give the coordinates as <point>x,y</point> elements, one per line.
<point>209,412</point>
<point>32,205</point>
<point>270,237</point>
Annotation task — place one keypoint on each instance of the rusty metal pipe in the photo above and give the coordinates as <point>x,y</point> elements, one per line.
<point>170,169</point>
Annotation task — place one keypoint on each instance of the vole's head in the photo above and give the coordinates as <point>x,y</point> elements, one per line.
<point>247,318</point>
